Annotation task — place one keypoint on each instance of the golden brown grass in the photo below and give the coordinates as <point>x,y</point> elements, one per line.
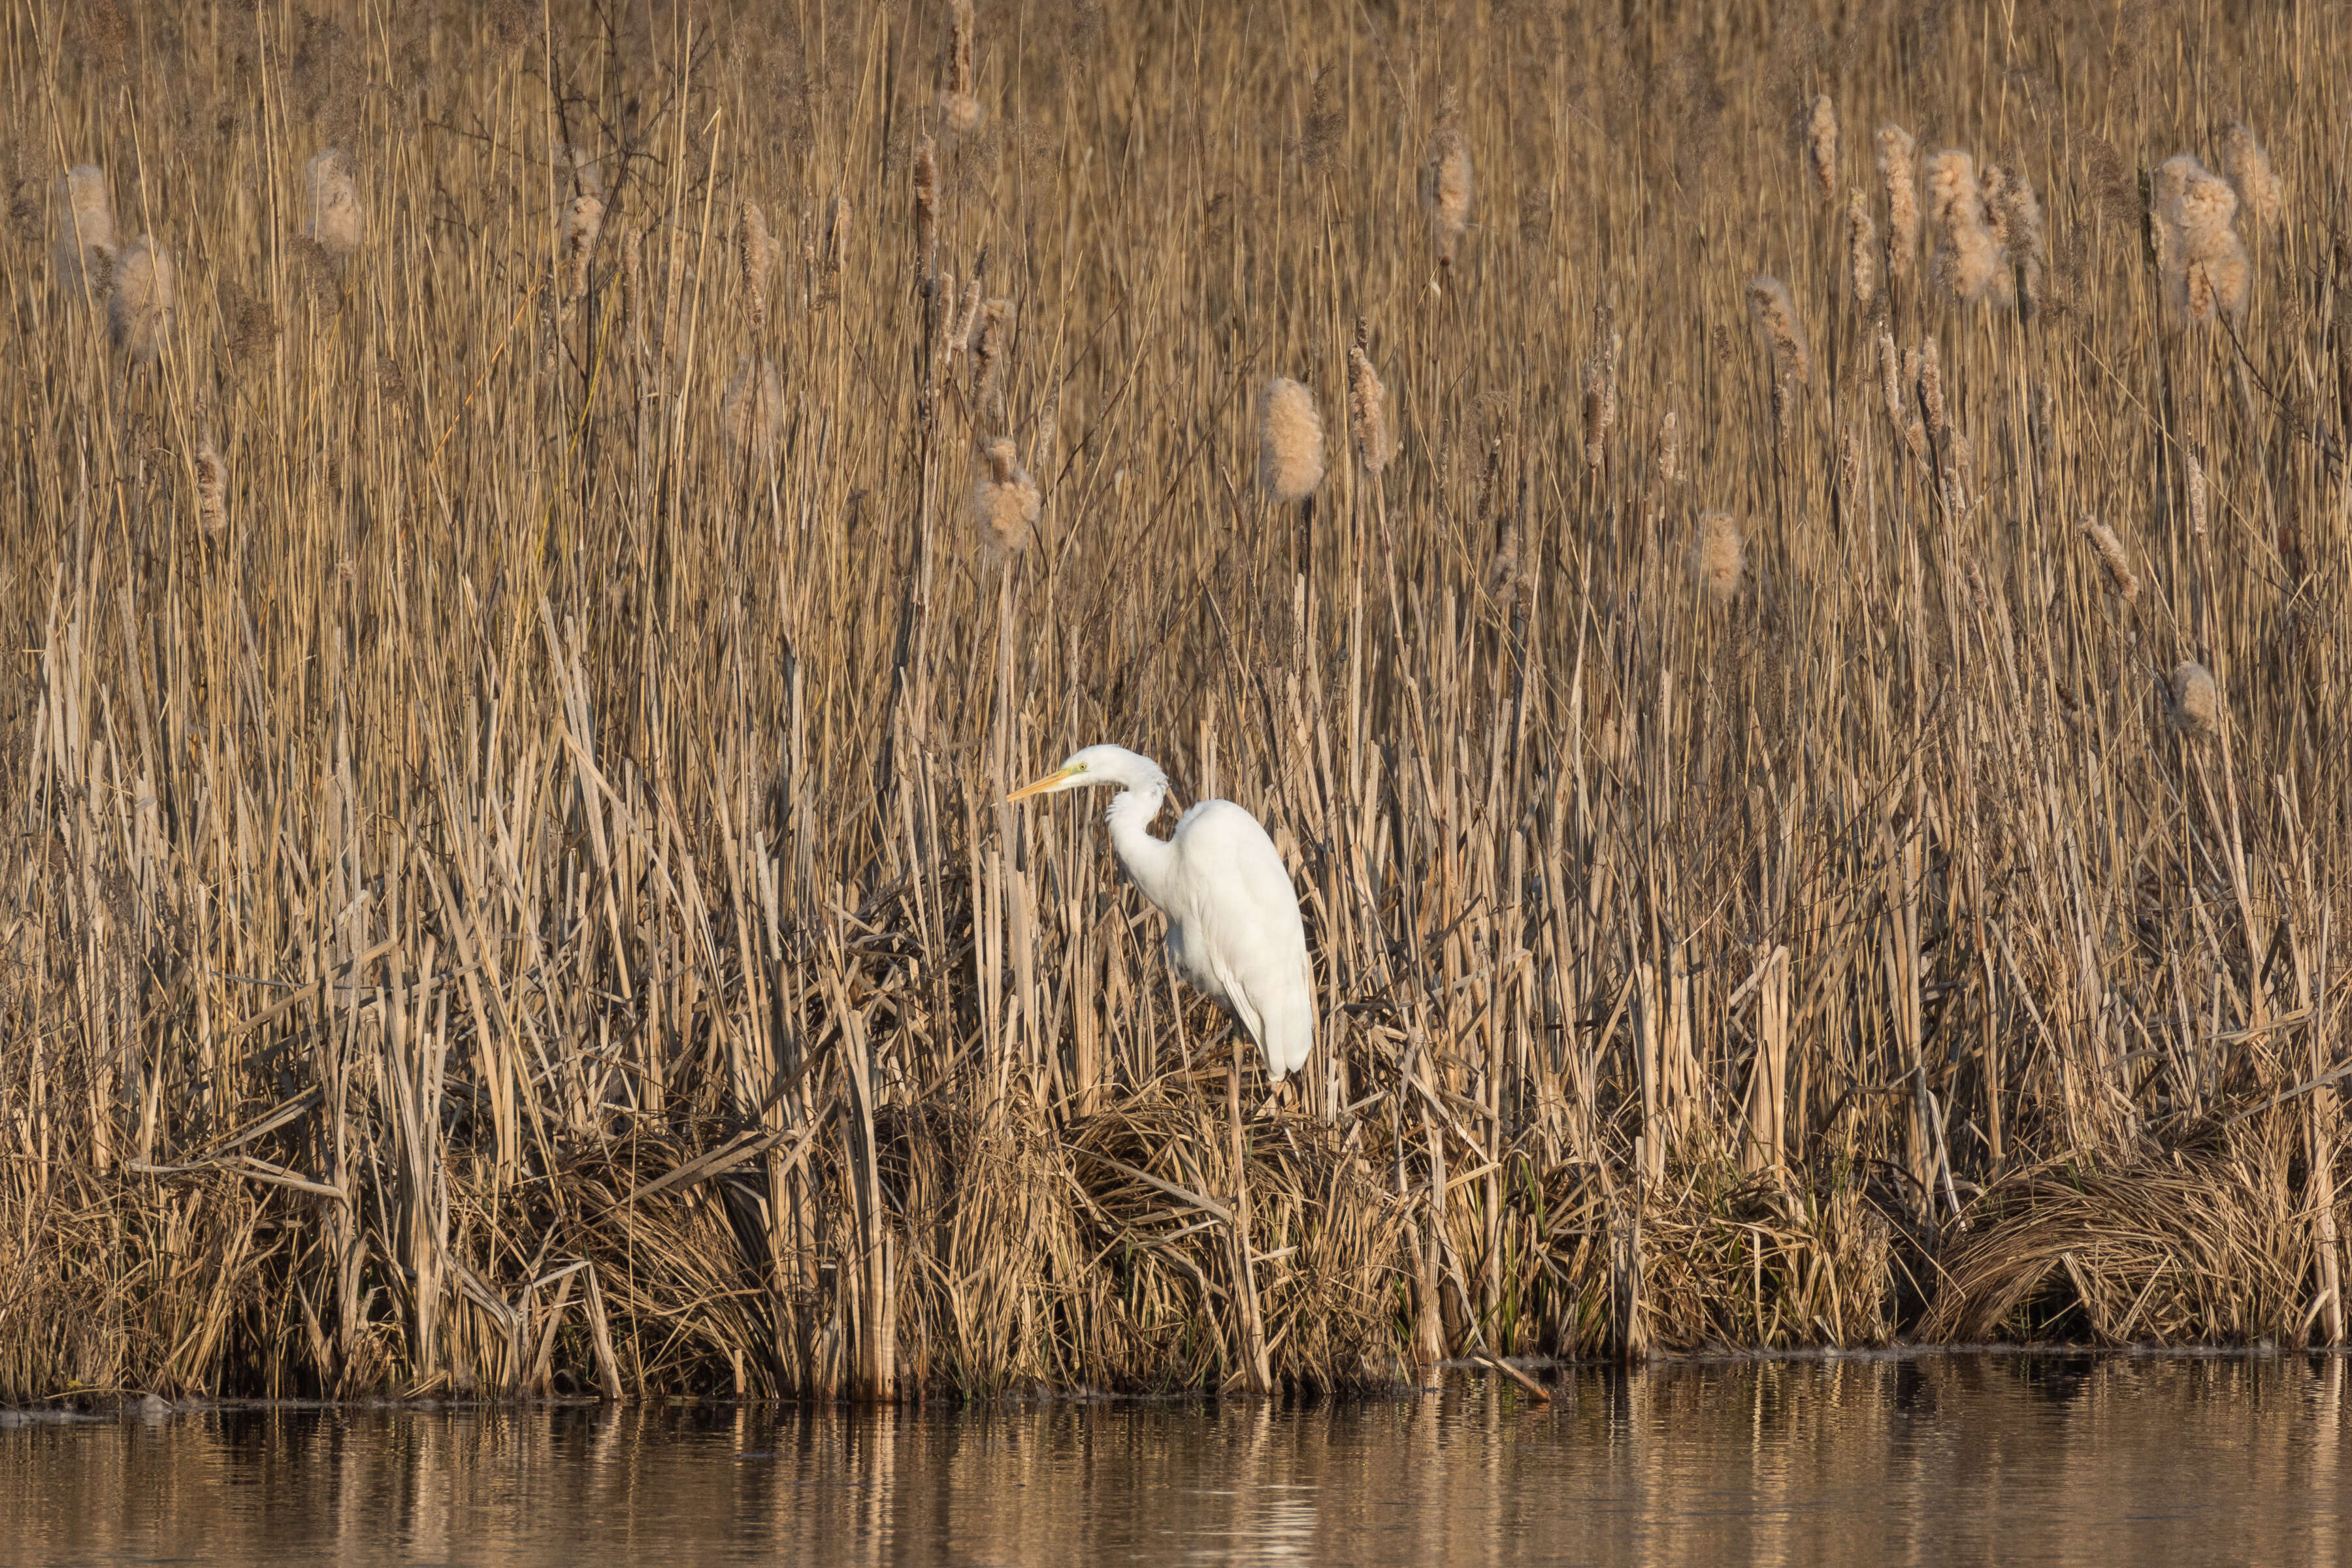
<point>526,903</point>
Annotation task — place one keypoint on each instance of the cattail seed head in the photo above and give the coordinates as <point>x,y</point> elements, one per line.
<point>959,109</point>
<point>1776,317</point>
<point>1931,389</point>
<point>212,490</point>
<point>83,255</point>
<point>1898,172</point>
<point>926,206</point>
<point>1670,447</point>
<point>2249,170</point>
<point>584,220</point>
<point>2196,706</point>
<point>1821,146</point>
<point>1719,559</point>
<point>1850,461</point>
<point>752,410</point>
<point>755,257</point>
<point>139,312</point>
<point>2113,558</point>
<point>1968,259</point>
<point>1890,376</point>
<point>1445,191</point>
<point>1004,501</point>
<point>1600,402</point>
<point>2197,501</point>
<point>991,344</point>
<point>334,218</point>
<point>967,320</point>
<point>836,233</point>
<point>1861,249</point>
<point>1290,442</point>
<point>2020,212</point>
<point>1368,412</point>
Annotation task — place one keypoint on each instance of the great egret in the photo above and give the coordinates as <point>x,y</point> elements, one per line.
<point>1233,916</point>
<point>1233,930</point>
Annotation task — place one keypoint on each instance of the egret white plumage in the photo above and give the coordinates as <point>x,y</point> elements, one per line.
<point>1234,929</point>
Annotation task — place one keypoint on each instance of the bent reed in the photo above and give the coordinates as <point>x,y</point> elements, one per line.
<point>509,886</point>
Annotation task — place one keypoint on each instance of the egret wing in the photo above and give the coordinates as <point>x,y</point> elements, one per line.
<point>1243,935</point>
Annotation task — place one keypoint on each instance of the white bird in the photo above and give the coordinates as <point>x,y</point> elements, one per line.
<point>1233,916</point>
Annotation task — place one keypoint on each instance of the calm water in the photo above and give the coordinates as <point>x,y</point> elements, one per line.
<point>2004,1459</point>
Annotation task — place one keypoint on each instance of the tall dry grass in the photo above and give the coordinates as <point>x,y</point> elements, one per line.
<point>507,879</point>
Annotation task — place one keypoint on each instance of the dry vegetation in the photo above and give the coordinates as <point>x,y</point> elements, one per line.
<point>1815,766</point>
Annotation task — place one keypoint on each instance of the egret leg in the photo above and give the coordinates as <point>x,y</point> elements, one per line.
<point>1258,1373</point>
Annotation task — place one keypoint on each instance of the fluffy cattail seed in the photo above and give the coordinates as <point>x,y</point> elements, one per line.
<point>1898,174</point>
<point>959,109</point>
<point>1003,500</point>
<point>140,313</point>
<point>1290,442</point>
<point>334,219</point>
<point>1821,146</point>
<point>2248,169</point>
<point>2196,707</point>
<point>1368,412</point>
<point>584,220</point>
<point>755,255</point>
<point>578,170</point>
<point>1719,558</point>
<point>1861,249</point>
<point>2111,557</point>
<point>2200,258</point>
<point>927,207</point>
<point>212,490</point>
<point>752,411</point>
<point>1850,461</point>
<point>2198,504</point>
<point>83,255</point>
<point>1445,192</point>
<point>1968,258</point>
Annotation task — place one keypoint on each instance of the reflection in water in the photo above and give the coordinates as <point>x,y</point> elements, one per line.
<point>1933,1459</point>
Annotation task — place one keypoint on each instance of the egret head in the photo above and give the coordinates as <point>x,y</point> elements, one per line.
<point>1093,765</point>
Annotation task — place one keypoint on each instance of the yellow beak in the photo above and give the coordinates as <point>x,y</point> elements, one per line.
<point>1040,786</point>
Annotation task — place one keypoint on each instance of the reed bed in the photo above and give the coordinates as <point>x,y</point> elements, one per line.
<point>1814,763</point>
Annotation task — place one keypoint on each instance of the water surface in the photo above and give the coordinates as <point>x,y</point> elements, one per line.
<point>1991,1458</point>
